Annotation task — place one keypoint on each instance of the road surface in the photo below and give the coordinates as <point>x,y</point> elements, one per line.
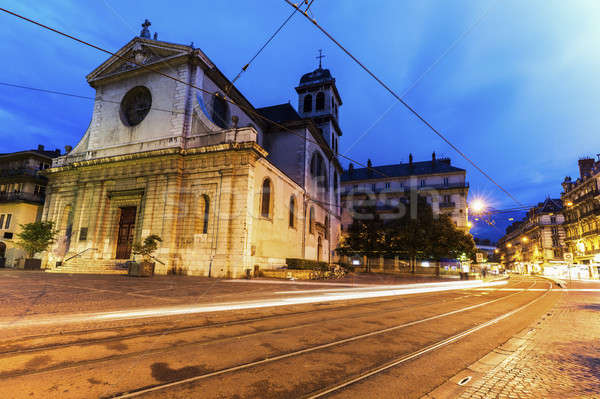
<point>340,342</point>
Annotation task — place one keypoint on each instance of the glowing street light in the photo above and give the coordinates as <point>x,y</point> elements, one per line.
<point>525,239</point>
<point>477,205</point>
<point>508,245</point>
<point>569,204</point>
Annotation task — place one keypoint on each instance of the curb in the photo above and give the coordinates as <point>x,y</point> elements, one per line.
<point>556,281</point>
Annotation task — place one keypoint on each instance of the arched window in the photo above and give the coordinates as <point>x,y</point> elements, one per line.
<point>320,102</point>
<point>307,103</point>
<point>332,141</point>
<point>206,213</point>
<point>318,170</point>
<point>265,204</point>
<point>220,111</point>
<point>292,211</point>
<point>327,227</point>
<point>311,219</point>
<point>335,187</point>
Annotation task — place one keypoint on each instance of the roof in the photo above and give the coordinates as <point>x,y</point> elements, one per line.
<point>319,75</point>
<point>44,153</point>
<point>279,113</point>
<point>404,169</point>
<point>548,206</point>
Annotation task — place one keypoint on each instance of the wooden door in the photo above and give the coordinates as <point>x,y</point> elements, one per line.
<point>125,235</point>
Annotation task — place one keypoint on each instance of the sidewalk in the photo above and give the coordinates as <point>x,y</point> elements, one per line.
<point>559,357</point>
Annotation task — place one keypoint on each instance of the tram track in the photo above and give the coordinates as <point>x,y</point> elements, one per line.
<point>126,341</point>
<point>153,389</point>
<point>148,329</point>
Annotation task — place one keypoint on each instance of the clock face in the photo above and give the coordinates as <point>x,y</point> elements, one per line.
<point>135,105</point>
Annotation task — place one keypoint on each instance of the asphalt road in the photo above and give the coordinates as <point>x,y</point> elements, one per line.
<point>349,342</point>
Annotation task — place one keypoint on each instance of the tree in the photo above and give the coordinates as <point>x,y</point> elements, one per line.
<point>148,247</point>
<point>36,237</point>
<point>366,234</point>
<point>417,233</point>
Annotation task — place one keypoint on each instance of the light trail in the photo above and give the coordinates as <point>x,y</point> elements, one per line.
<point>350,294</point>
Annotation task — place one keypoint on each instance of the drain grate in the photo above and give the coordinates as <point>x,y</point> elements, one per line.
<point>464,381</point>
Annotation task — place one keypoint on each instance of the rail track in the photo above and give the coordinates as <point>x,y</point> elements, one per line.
<point>364,374</point>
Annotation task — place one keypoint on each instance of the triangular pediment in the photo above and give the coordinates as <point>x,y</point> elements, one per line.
<point>138,51</point>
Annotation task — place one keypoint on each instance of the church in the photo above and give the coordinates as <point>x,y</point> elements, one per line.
<point>174,149</point>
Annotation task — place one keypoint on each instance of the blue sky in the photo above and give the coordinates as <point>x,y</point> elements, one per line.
<point>518,94</point>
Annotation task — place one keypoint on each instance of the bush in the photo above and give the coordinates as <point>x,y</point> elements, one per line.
<point>306,264</point>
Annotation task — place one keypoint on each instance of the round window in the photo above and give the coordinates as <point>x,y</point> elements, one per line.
<point>135,105</point>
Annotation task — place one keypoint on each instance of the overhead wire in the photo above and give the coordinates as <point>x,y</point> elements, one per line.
<point>214,94</point>
<point>406,105</point>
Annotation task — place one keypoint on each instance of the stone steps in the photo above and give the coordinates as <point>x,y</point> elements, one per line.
<point>90,266</point>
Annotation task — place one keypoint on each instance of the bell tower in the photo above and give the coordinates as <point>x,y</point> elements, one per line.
<point>319,99</point>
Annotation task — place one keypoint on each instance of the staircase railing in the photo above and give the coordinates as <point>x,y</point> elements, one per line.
<point>78,254</point>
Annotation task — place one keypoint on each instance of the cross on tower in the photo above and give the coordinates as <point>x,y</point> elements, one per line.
<point>320,57</point>
<point>145,31</point>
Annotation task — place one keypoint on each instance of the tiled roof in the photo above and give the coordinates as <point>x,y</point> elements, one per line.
<point>403,169</point>
<point>280,113</point>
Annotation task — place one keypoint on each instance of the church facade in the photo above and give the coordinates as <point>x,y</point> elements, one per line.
<point>228,187</point>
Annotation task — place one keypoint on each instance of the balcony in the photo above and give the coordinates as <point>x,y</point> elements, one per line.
<point>18,172</point>
<point>26,197</point>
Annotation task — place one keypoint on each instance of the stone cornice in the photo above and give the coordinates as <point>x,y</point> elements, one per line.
<point>247,146</point>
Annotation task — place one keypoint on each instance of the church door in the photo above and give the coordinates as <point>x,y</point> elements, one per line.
<point>125,237</point>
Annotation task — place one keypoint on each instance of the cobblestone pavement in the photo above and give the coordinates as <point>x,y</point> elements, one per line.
<point>560,357</point>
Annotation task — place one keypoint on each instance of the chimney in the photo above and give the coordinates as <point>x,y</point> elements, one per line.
<point>57,152</point>
<point>40,147</point>
<point>369,163</point>
<point>433,158</point>
<point>351,169</point>
<point>585,167</point>
<point>410,158</point>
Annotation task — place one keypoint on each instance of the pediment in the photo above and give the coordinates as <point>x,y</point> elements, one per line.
<point>138,51</point>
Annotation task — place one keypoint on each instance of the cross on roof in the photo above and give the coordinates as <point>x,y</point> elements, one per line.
<point>320,57</point>
<point>145,32</point>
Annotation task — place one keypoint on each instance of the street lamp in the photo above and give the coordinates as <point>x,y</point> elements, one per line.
<point>478,205</point>
<point>525,239</point>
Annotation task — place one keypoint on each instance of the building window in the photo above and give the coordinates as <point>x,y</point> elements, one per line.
<point>387,186</point>
<point>206,213</point>
<point>8,217</point>
<point>292,221</point>
<point>445,181</point>
<point>335,188</point>
<point>326,227</point>
<point>307,103</point>
<point>423,183</point>
<point>320,102</point>
<point>553,219</point>
<point>447,199</point>
<point>220,111</point>
<point>373,187</point>
<point>355,186</point>
<point>311,219</point>
<point>83,234</point>
<point>1,222</point>
<point>265,206</point>
<point>8,235</point>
